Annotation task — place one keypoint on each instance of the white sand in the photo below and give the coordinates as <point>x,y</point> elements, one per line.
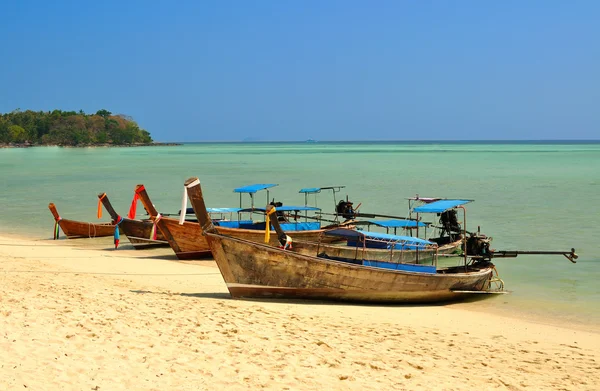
<point>76,315</point>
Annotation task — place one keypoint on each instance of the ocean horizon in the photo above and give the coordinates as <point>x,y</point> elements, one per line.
<point>442,141</point>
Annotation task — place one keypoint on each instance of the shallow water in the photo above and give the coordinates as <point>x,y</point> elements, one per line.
<point>527,196</point>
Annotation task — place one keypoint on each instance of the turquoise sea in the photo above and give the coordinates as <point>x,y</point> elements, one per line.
<point>528,196</point>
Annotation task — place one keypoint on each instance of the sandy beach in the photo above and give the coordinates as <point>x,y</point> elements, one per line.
<point>77,315</point>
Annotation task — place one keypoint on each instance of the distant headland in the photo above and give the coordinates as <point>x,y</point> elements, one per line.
<point>71,129</point>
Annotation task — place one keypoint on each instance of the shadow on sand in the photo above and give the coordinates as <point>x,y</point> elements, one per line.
<point>227,296</point>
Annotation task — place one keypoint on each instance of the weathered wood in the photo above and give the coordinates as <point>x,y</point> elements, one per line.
<point>257,270</point>
<point>78,229</point>
<point>137,231</point>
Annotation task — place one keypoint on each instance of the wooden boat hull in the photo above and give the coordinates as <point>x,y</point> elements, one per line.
<point>78,229</point>
<point>185,239</point>
<point>139,234</point>
<point>255,270</point>
<point>372,254</point>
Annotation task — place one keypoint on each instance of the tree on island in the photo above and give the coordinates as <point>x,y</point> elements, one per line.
<point>70,128</point>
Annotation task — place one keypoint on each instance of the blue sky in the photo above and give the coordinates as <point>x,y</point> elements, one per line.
<point>328,70</point>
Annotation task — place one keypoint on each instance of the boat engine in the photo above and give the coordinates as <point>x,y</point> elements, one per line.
<point>449,222</point>
<point>478,245</point>
<point>345,209</point>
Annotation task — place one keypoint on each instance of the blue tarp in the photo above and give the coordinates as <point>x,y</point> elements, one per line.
<point>306,226</point>
<point>260,226</point>
<point>233,223</point>
<point>440,206</point>
<point>396,223</point>
<point>353,234</point>
<point>284,209</point>
<point>402,266</point>
<point>254,188</point>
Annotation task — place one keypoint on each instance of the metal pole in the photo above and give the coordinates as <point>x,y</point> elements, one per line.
<point>464,232</point>
<point>417,224</point>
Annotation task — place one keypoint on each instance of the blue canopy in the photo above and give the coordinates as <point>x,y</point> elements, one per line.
<point>285,208</point>
<point>310,190</point>
<point>254,188</point>
<point>396,223</point>
<point>222,210</point>
<point>440,206</point>
<point>354,234</point>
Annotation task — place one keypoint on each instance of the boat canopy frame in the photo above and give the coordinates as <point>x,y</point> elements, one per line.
<point>396,223</point>
<point>251,190</point>
<point>441,205</point>
<point>316,190</point>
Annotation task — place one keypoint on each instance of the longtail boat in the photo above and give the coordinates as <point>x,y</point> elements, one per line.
<point>142,234</point>
<point>253,269</point>
<point>79,229</point>
<point>187,240</point>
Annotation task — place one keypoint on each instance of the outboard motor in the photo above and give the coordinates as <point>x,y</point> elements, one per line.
<point>449,222</point>
<point>345,209</point>
<point>479,245</point>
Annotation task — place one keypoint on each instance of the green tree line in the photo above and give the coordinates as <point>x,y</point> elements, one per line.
<point>70,128</point>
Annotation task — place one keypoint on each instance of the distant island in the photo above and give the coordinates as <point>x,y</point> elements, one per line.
<point>69,128</point>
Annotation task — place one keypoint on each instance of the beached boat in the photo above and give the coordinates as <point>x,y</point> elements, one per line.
<point>79,229</point>
<point>141,233</point>
<point>187,241</point>
<point>253,269</point>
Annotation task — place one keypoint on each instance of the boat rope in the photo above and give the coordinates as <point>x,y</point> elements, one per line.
<point>117,235</point>
<point>90,226</point>
<point>100,205</point>
<point>496,281</point>
<point>268,224</point>
<point>133,207</point>
<point>153,230</point>
<point>184,200</point>
<point>56,232</point>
